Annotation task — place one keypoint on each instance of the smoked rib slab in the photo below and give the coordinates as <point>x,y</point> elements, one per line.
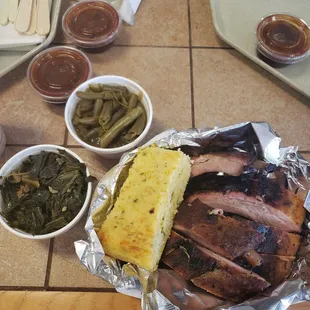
<point>209,271</point>
<point>230,163</point>
<point>231,235</point>
<point>260,200</point>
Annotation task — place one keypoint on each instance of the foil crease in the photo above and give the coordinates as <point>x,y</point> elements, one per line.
<point>165,289</point>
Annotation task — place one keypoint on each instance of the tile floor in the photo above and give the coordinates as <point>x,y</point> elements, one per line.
<point>193,79</point>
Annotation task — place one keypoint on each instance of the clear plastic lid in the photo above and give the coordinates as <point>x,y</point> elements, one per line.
<point>56,72</point>
<point>91,24</point>
<point>283,38</point>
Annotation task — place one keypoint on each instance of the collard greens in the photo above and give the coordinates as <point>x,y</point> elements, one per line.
<point>45,193</point>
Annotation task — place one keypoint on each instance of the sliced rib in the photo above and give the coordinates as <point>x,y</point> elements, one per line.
<point>229,163</point>
<point>231,235</point>
<point>275,268</point>
<point>211,272</point>
<point>287,214</point>
<point>252,196</point>
<point>223,235</point>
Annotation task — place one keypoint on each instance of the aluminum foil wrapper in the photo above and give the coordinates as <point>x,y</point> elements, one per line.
<point>165,289</point>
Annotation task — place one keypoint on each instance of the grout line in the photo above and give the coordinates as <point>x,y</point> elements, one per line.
<point>53,289</point>
<point>66,137</point>
<point>163,46</point>
<point>28,145</point>
<point>22,288</point>
<point>75,146</point>
<point>82,289</point>
<point>191,64</point>
<point>49,263</point>
<point>154,46</point>
<point>22,145</point>
<point>213,47</point>
<point>133,45</point>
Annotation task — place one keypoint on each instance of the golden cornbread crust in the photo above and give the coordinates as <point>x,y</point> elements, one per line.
<point>137,228</point>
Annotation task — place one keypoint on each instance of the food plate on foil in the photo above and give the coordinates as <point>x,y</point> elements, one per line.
<point>239,239</point>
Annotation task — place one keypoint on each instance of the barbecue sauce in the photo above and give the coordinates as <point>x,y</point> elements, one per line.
<point>58,72</point>
<point>92,21</point>
<point>285,35</point>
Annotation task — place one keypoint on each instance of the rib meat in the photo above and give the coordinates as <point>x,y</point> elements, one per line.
<point>209,271</point>
<point>276,242</point>
<point>260,200</point>
<point>229,163</point>
<point>275,269</point>
<point>231,235</point>
<point>223,235</point>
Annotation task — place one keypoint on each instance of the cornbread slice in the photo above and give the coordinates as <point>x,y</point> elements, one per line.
<point>137,228</point>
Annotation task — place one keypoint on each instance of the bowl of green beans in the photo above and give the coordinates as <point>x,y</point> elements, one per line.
<point>109,115</point>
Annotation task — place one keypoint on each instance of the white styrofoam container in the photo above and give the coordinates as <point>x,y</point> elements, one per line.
<point>110,80</point>
<point>15,162</point>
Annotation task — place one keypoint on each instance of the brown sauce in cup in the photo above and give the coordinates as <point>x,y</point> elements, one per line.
<point>285,35</point>
<point>92,21</point>
<point>59,71</point>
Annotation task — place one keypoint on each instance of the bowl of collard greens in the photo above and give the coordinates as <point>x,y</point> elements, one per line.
<point>45,190</point>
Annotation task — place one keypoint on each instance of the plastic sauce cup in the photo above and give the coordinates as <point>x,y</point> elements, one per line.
<point>56,72</point>
<point>283,38</point>
<point>91,24</point>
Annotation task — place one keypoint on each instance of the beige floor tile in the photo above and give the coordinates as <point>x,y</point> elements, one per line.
<point>230,89</point>
<point>22,262</point>
<point>64,259</point>
<point>66,269</point>
<point>158,22</point>
<point>25,118</point>
<point>96,164</point>
<point>29,268</point>
<point>8,152</point>
<point>12,300</point>
<point>203,32</point>
<point>71,140</point>
<point>306,156</point>
<point>162,72</point>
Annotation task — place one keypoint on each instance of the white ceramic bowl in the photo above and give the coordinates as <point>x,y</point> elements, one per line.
<point>110,80</point>
<point>15,162</point>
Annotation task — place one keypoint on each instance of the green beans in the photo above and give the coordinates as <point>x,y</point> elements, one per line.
<point>136,128</point>
<point>124,102</point>
<point>111,95</point>
<point>98,131</point>
<point>108,115</point>
<point>122,89</point>
<point>98,107</point>
<point>85,105</point>
<point>115,117</point>
<point>133,100</point>
<point>90,121</point>
<point>116,105</point>
<point>120,125</point>
<point>75,120</point>
<point>96,88</point>
<point>81,130</point>
<point>105,95</point>
<point>89,95</point>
